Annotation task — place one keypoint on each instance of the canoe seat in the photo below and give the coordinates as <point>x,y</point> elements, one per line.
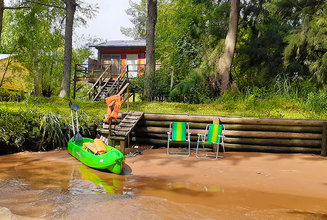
<point>97,147</point>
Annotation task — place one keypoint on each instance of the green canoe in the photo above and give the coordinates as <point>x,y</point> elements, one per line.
<point>112,160</point>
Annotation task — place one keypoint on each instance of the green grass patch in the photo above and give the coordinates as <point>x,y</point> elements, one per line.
<point>45,123</point>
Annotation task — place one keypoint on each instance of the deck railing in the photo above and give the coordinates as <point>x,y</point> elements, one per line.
<point>97,88</point>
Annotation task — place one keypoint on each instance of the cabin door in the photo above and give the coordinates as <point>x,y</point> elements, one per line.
<point>131,62</point>
<point>114,60</point>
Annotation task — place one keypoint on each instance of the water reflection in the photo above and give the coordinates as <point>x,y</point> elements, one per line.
<point>85,181</point>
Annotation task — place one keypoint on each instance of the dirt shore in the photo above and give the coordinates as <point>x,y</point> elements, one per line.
<point>294,174</point>
<point>248,185</point>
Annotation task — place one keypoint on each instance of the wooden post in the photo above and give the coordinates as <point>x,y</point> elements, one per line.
<point>122,146</point>
<point>74,93</point>
<point>324,139</point>
<point>127,98</point>
<point>216,121</point>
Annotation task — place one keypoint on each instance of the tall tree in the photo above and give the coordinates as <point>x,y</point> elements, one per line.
<point>223,73</point>
<point>306,53</point>
<point>66,75</point>
<point>138,14</point>
<point>150,47</point>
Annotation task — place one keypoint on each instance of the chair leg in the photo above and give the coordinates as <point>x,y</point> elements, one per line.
<point>207,156</point>
<point>223,145</point>
<point>179,154</point>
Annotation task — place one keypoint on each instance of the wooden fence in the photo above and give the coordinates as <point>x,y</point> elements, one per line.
<point>242,134</point>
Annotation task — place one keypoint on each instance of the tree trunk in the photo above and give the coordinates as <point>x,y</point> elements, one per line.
<point>2,8</point>
<point>66,75</point>
<point>150,48</point>
<point>36,78</point>
<point>223,73</point>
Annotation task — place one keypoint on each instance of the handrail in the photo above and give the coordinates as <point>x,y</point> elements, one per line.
<point>117,80</point>
<point>99,79</point>
<point>113,85</point>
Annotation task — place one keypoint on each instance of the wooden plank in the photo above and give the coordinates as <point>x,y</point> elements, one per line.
<point>252,134</point>
<point>324,140</point>
<point>232,120</point>
<point>132,117</point>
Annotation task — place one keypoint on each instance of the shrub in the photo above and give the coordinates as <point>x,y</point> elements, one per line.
<point>28,129</point>
<point>11,96</point>
<point>317,102</point>
<point>194,90</point>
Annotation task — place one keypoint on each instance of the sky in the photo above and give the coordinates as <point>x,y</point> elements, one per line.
<point>108,21</point>
<point>110,18</point>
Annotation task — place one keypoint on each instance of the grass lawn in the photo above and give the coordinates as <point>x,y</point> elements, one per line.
<point>265,108</point>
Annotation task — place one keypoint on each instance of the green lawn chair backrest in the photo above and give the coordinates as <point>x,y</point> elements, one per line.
<point>214,131</point>
<point>179,131</point>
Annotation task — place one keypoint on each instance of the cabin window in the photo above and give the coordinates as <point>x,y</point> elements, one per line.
<point>114,60</point>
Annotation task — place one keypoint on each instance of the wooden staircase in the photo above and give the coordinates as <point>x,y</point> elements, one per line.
<point>119,135</point>
<point>127,124</point>
<point>107,86</point>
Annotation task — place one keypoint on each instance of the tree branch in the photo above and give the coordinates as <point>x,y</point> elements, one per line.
<point>17,8</point>
<point>48,5</point>
<point>294,4</point>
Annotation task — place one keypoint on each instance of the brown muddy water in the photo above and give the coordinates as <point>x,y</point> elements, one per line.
<point>34,188</point>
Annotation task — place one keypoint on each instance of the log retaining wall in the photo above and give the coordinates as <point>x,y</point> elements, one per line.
<point>242,134</point>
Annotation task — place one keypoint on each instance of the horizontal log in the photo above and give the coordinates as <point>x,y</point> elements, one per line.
<point>271,121</point>
<point>156,135</point>
<point>261,134</point>
<point>241,127</point>
<point>179,117</point>
<point>250,141</point>
<point>248,134</point>
<point>166,124</point>
<point>275,142</point>
<point>232,120</point>
<point>162,142</point>
<point>278,128</point>
<point>270,149</point>
<point>235,147</point>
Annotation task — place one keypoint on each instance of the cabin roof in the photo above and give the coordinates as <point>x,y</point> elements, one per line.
<point>121,43</point>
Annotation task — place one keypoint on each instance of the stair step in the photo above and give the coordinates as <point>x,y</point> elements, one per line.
<point>124,125</point>
<point>132,117</point>
<point>127,124</point>
<point>120,133</point>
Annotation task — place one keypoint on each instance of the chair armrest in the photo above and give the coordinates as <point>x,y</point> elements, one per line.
<point>200,134</point>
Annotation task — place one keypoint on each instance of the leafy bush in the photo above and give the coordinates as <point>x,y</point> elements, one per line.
<point>11,96</point>
<point>28,129</point>
<point>194,90</point>
<point>317,102</point>
<point>160,85</point>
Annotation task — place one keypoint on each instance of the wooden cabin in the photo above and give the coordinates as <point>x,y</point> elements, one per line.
<point>121,54</point>
<point>117,60</point>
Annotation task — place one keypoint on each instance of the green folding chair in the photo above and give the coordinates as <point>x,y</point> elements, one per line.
<point>179,131</point>
<point>214,134</point>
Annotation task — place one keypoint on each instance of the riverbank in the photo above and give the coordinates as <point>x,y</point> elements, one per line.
<point>242,185</point>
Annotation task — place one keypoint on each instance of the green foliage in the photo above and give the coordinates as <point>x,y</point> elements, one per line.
<point>159,82</point>
<point>36,35</point>
<point>306,53</point>
<point>11,96</point>
<point>317,102</point>
<point>138,13</point>
<point>194,89</point>
<point>42,123</point>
